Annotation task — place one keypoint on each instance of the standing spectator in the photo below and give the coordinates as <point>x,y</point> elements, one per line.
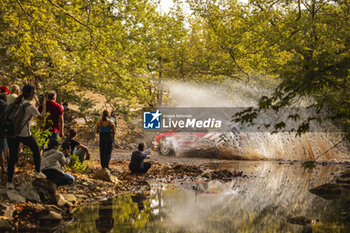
<point>25,136</point>
<point>136,164</point>
<point>113,118</point>
<point>71,146</point>
<point>106,129</point>
<point>14,94</point>
<point>3,143</point>
<point>56,125</point>
<point>52,162</point>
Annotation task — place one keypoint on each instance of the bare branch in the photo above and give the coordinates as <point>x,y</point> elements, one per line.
<point>331,148</point>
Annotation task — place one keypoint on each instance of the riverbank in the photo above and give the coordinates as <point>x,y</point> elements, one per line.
<point>31,207</point>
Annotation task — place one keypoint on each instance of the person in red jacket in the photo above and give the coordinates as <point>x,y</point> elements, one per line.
<point>56,125</point>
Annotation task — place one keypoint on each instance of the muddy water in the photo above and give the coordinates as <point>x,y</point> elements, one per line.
<point>260,202</point>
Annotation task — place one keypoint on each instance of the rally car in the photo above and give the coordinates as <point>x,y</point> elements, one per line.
<point>168,142</point>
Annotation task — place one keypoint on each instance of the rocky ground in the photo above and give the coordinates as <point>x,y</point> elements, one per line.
<point>38,203</point>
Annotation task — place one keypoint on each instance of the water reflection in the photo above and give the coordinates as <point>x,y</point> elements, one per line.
<point>139,198</point>
<point>260,203</point>
<point>105,221</point>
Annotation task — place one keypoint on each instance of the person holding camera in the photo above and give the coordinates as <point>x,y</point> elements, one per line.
<point>137,165</point>
<point>52,164</point>
<point>71,146</point>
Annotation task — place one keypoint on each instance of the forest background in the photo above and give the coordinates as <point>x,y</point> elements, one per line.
<point>124,50</point>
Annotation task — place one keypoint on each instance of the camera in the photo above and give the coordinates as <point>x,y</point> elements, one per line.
<point>41,99</point>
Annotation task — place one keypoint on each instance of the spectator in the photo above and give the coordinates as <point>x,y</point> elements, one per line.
<point>25,135</point>
<point>3,143</point>
<point>52,162</point>
<point>71,146</point>
<point>106,129</point>
<point>56,125</point>
<point>137,165</point>
<point>113,118</point>
<point>14,94</point>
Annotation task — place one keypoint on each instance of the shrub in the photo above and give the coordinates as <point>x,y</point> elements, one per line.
<point>75,165</point>
<point>41,136</point>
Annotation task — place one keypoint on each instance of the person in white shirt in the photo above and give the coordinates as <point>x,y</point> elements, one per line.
<point>53,162</point>
<point>25,136</point>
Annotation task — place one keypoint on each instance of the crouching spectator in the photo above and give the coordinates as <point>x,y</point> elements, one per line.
<point>71,146</point>
<point>136,164</point>
<point>52,162</point>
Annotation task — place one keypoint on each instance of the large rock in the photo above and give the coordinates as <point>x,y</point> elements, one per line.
<point>29,192</point>
<point>13,195</point>
<point>52,217</point>
<point>62,202</point>
<point>327,191</point>
<point>106,175</point>
<point>47,191</point>
<point>6,210</point>
<point>302,220</point>
<point>70,197</point>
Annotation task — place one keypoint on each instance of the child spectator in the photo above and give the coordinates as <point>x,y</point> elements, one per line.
<point>136,164</point>
<point>71,146</point>
<point>52,162</point>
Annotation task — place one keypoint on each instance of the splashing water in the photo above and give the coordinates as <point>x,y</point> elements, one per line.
<point>262,145</point>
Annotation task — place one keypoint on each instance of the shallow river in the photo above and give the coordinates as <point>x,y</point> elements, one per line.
<point>260,202</point>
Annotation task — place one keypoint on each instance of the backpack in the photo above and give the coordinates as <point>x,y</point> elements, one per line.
<point>3,105</point>
<point>12,119</point>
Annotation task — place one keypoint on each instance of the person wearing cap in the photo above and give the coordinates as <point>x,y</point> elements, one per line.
<point>14,94</point>
<point>3,143</point>
<point>52,164</point>
<point>4,90</point>
<point>25,136</point>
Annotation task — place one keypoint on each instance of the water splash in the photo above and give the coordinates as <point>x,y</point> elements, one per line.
<point>310,146</point>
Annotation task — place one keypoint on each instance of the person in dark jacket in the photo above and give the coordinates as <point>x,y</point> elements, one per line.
<point>71,146</point>
<point>3,143</point>
<point>137,165</point>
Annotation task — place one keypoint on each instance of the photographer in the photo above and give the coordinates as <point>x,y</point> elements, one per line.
<point>52,162</point>
<point>72,146</point>
<point>136,164</point>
